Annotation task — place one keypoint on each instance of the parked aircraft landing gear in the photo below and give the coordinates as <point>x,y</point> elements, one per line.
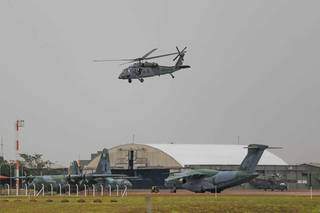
<point>141,80</point>
<point>213,191</point>
<point>155,189</point>
<point>172,75</point>
<point>173,190</point>
<point>129,80</point>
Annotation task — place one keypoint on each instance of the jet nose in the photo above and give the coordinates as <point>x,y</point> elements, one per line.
<point>127,183</point>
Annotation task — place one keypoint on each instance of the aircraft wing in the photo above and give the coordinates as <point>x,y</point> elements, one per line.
<point>94,176</point>
<point>189,174</point>
<point>24,177</point>
<point>105,175</point>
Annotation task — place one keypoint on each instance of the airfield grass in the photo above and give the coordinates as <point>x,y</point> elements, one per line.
<point>163,203</point>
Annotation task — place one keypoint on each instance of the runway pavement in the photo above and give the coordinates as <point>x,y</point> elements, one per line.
<point>229,192</point>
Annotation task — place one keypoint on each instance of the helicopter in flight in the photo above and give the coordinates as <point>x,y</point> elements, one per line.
<point>140,68</point>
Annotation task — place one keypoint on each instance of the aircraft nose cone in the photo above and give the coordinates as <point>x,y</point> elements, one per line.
<point>128,184</point>
<point>122,75</point>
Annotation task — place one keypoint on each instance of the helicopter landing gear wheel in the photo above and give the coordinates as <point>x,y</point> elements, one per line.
<point>172,75</point>
<point>129,80</point>
<point>141,80</point>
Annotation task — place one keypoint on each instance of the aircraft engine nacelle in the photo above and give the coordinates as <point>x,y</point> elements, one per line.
<point>183,180</point>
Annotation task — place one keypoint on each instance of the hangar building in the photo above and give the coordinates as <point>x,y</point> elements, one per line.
<point>176,156</point>
<point>154,162</point>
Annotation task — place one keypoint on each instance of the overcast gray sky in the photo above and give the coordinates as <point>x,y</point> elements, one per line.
<point>255,73</point>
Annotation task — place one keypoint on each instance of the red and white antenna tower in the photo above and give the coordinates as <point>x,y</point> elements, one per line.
<point>19,125</point>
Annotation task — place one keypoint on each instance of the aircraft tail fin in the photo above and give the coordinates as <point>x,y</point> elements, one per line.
<point>74,168</point>
<point>104,163</point>
<point>180,57</point>
<point>252,158</point>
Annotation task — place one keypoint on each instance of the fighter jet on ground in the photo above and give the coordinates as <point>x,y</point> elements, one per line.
<point>101,176</point>
<point>202,180</point>
<point>141,69</point>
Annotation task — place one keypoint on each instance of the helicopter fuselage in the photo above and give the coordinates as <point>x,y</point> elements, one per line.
<point>142,70</point>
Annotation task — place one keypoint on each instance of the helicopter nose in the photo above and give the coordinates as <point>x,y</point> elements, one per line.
<point>121,76</point>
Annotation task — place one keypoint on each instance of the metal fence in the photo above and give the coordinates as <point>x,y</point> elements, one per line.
<point>89,190</point>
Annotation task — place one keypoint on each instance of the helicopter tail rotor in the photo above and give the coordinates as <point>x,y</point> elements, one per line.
<point>180,53</point>
<point>180,57</point>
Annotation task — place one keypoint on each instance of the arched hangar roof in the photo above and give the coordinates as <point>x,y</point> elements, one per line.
<point>213,154</point>
<point>147,156</point>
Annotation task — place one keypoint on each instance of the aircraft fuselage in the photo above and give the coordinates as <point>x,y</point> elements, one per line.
<point>146,70</point>
<point>216,182</point>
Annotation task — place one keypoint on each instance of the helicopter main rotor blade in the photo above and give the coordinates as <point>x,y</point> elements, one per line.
<point>147,54</point>
<point>128,62</point>
<point>159,56</point>
<point>103,60</point>
<point>145,57</point>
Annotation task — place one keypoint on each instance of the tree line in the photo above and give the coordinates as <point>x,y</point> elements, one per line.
<point>30,164</point>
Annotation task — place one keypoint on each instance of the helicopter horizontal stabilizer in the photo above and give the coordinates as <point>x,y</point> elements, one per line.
<point>184,66</point>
